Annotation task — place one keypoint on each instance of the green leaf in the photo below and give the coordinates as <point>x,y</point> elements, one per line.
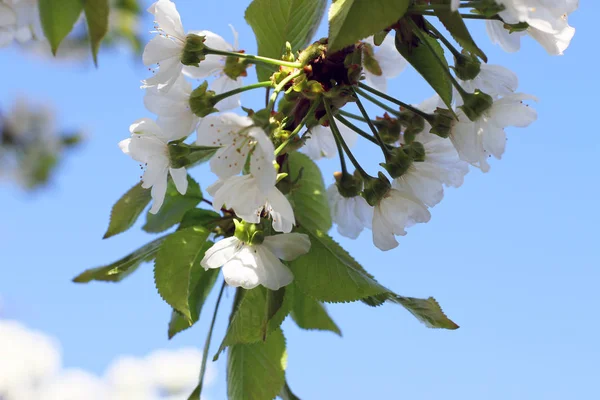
<point>276,22</point>
<point>428,311</point>
<point>259,313</point>
<point>422,56</point>
<point>199,217</point>
<point>453,21</point>
<point>200,154</point>
<point>201,284</point>
<point>96,15</point>
<point>127,210</point>
<point>309,198</point>
<point>57,18</point>
<point>122,268</point>
<point>310,314</point>
<point>353,20</point>
<point>287,394</point>
<point>328,273</point>
<point>178,256</point>
<point>256,371</point>
<point>174,207</point>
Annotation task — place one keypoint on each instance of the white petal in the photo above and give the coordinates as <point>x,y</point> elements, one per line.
<point>225,84</point>
<point>237,274</point>
<point>156,172</point>
<point>166,76</point>
<point>145,126</point>
<point>167,18</point>
<point>221,252</point>
<point>390,61</point>
<point>383,237</point>
<point>222,129</point>
<point>272,272</point>
<point>228,161</point>
<point>511,111</point>
<point>179,176</point>
<point>281,211</point>
<point>142,148</point>
<point>158,179</point>
<point>161,48</point>
<point>510,42</point>
<point>288,246</point>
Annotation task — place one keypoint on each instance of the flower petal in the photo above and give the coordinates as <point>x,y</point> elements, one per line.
<point>288,246</point>
<point>221,252</point>
<point>180,180</point>
<point>273,274</point>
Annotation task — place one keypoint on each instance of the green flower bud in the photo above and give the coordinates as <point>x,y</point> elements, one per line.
<point>369,61</point>
<point>466,67</point>
<point>398,162</point>
<point>194,50</point>
<point>201,101</point>
<point>235,67</point>
<point>312,52</point>
<point>376,188</point>
<point>348,185</point>
<point>416,151</point>
<point>413,124</point>
<point>442,122</point>
<point>520,27</point>
<point>476,104</point>
<point>248,233</point>
<point>389,129</point>
<point>353,64</point>
<point>308,88</point>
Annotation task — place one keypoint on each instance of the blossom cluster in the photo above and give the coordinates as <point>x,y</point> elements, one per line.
<point>19,21</point>
<point>31,369</point>
<point>426,147</point>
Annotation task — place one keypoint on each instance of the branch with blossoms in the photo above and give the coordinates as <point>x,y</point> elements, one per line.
<point>266,233</point>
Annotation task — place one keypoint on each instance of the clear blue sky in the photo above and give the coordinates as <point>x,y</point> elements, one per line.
<point>511,255</point>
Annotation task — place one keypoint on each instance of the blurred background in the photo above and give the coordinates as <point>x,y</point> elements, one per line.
<point>510,255</point>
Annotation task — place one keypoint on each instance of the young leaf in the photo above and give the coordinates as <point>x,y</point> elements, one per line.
<point>199,217</point>
<point>422,57</point>
<point>353,20</point>
<point>174,207</point>
<point>256,317</point>
<point>328,273</point>
<point>457,28</point>
<point>127,210</point>
<point>309,313</point>
<point>256,371</point>
<point>309,198</point>
<point>122,268</point>
<point>96,15</point>
<point>276,22</point>
<point>176,259</point>
<point>287,394</point>
<point>57,18</point>
<point>428,311</point>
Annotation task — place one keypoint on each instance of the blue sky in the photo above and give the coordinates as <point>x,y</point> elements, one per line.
<point>511,255</point>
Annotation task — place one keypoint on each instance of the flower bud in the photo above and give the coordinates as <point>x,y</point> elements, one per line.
<point>442,122</point>
<point>369,61</point>
<point>348,185</point>
<point>312,52</point>
<point>389,128</point>
<point>353,64</point>
<point>194,50</point>
<point>416,151</point>
<point>201,101</point>
<point>413,124</point>
<point>397,163</point>
<point>235,67</point>
<point>248,233</point>
<point>376,188</point>
<point>476,104</point>
<point>466,67</point>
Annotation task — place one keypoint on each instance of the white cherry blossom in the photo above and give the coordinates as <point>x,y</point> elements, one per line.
<point>248,265</point>
<point>148,145</point>
<point>494,80</point>
<point>351,214</point>
<point>321,142</point>
<point>238,140</point>
<point>214,65</point>
<point>396,211</point>
<point>390,62</point>
<point>173,108</point>
<point>476,140</point>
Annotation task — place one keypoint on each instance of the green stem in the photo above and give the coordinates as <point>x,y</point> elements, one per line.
<point>446,42</point>
<point>363,111</point>
<point>280,87</point>
<point>356,129</point>
<point>378,103</point>
<point>443,7</point>
<point>256,59</point>
<point>341,144</point>
<point>390,99</point>
<point>441,62</point>
<point>198,390</point>
<point>351,115</point>
<point>222,96</point>
<point>310,112</point>
<point>464,16</point>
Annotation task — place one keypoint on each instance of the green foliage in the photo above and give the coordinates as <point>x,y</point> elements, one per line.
<point>287,394</point>
<point>457,28</point>
<point>96,15</point>
<point>57,18</point>
<point>422,57</point>
<point>177,324</point>
<point>127,210</point>
<point>428,311</point>
<point>328,273</point>
<point>259,313</point>
<point>122,268</point>
<point>174,207</point>
<point>199,217</point>
<point>276,22</point>
<point>179,256</point>
<point>310,314</point>
<point>352,20</point>
<point>309,196</point>
<point>256,371</point>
